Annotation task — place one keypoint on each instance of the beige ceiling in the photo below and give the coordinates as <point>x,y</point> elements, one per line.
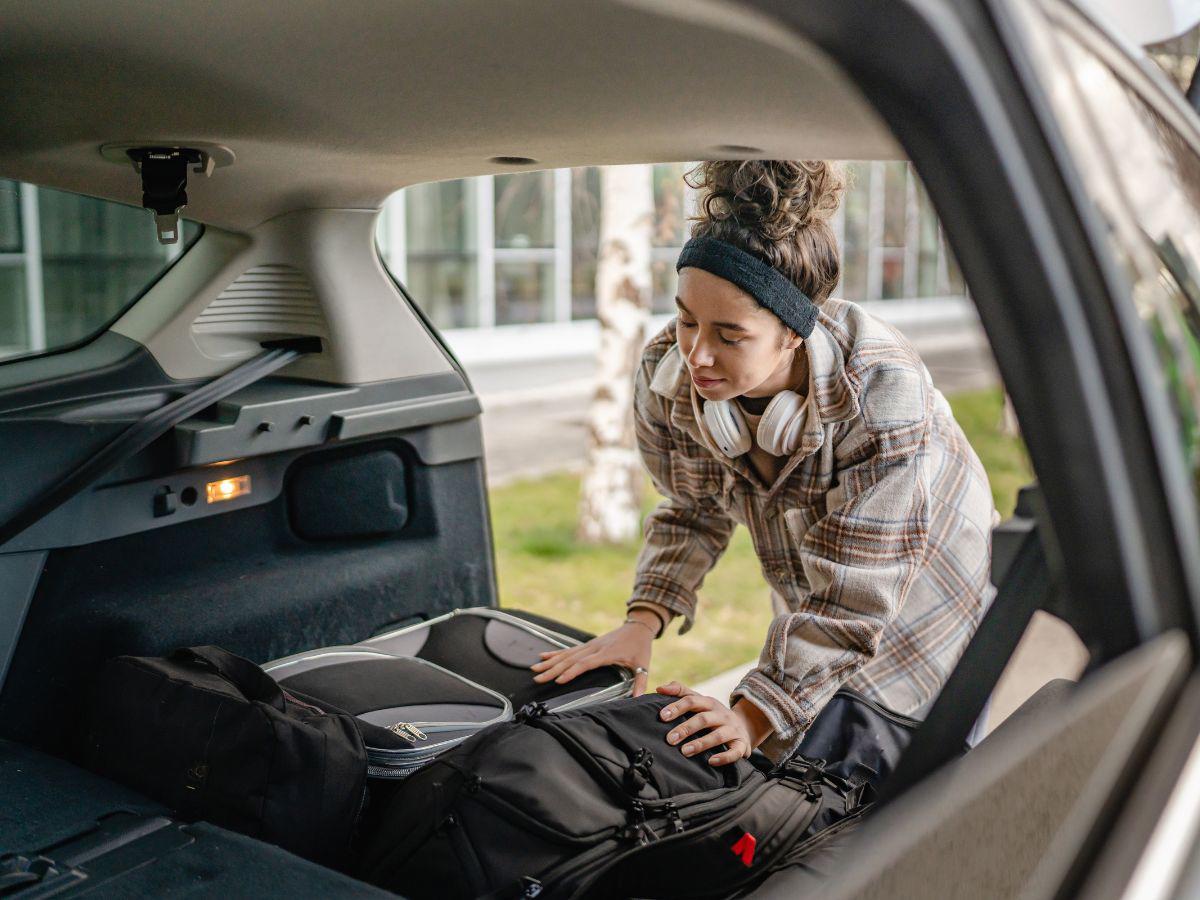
<point>337,104</point>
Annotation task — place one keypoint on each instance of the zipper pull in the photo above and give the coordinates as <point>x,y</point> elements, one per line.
<point>637,773</point>
<point>674,818</point>
<point>408,731</point>
<point>641,831</point>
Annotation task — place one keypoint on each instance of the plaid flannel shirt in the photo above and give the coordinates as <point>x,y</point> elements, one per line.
<point>876,535</point>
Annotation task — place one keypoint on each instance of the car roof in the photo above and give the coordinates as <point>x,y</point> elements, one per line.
<point>338,105</point>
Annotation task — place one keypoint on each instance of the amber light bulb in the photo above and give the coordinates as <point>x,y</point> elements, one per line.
<point>227,488</point>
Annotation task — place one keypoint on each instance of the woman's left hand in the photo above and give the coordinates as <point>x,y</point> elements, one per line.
<point>740,729</point>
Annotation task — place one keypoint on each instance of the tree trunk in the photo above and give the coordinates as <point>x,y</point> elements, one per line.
<point>610,496</point>
<point>1008,423</point>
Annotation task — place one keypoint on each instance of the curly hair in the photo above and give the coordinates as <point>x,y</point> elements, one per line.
<point>778,210</point>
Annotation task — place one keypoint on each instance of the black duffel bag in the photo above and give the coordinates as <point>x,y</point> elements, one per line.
<point>592,802</point>
<point>214,737</point>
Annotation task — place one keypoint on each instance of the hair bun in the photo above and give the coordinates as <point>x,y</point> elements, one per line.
<point>774,198</point>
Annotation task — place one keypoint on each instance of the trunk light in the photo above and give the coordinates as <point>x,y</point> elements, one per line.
<point>227,488</point>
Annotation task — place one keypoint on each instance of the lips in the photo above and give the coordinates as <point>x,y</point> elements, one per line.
<point>706,382</point>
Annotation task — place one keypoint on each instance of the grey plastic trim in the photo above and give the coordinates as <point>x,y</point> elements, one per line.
<point>271,417</point>
<point>114,510</point>
<point>393,416</point>
<point>374,335</point>
<point>126,506</point>
<point>19,574</point>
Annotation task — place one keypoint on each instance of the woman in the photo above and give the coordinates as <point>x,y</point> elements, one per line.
<point>814,424</point>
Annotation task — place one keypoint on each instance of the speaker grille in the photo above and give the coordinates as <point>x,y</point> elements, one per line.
<point>274,298</point>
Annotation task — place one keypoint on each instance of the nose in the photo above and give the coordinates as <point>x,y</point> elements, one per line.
<point>701,355</point>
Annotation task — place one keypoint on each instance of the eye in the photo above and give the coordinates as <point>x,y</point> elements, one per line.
<point>730,343</point>
<point>687,324</point>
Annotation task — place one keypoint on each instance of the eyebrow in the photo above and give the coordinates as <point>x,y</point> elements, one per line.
<point>732,326</point>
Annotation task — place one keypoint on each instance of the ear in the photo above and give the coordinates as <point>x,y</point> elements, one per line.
<point>791,341</point>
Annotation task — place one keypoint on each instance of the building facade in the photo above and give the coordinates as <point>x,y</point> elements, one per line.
<point>521,249</point>
<point>479,254</point>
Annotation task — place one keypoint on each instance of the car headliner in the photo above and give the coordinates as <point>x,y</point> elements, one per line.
<point>338,105</point>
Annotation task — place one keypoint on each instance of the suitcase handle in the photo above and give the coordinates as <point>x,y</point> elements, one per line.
<point>238,671</point>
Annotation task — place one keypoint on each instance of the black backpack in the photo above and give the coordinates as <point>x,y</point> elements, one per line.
<point>214,737</point>
<point>593,803</point>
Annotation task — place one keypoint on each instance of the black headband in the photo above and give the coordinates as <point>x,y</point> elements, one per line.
<point>766,284</point>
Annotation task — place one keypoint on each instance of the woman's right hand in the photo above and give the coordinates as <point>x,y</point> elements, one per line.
<point>629,646</point>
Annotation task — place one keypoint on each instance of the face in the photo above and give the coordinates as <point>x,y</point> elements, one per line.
<point>732,346</point>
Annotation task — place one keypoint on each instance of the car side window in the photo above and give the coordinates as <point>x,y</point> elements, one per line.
<point>70,265</point>
<point>1144,178</point>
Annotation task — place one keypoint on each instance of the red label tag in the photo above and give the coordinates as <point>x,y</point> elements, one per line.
<point>745,848</point>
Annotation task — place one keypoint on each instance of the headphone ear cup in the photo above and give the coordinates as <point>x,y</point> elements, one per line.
<point>726,427</point>
<point>782,423</point>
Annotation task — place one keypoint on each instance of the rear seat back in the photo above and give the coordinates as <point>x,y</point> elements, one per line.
<point>1016,808</point>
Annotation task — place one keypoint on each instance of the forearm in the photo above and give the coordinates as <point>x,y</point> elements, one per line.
<point>682,543</point>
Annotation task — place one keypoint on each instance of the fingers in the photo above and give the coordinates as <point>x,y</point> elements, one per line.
<point>690,702</point>
<point>695,724</point>
<point>584,664</point>
<point>640,681</point>
<point>671,689</point>
<point>549,657</point>
<point>724,734</point>
<point>574,663</point>
<point>737,749</point>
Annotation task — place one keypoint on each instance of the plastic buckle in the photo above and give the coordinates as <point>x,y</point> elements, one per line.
<point>164,183</point>
<point>530,711</point>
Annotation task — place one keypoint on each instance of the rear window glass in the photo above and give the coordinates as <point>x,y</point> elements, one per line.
<point>69,265</point>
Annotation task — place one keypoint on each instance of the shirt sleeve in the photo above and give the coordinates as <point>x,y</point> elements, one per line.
<point>683,536</point>
<point>860,558</point>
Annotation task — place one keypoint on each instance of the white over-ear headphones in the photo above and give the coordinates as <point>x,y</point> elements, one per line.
<point>778,431</point>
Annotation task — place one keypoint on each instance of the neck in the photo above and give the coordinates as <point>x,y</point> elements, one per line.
<point>791,375</point>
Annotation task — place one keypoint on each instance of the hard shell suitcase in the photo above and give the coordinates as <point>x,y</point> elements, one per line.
<point>424,688</point>
<point>410,709</point>
<point>495,648</point>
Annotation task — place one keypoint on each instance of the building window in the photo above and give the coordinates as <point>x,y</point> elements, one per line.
<point>439,232</point>
<point>525,210</point>
<point>585,240</point>
<point>671,228</point>
<point>524,292</point>
<point>855,239</point>
<point>522,248</point>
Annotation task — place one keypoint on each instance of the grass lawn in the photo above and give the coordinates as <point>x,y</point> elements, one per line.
<point>542,568</point>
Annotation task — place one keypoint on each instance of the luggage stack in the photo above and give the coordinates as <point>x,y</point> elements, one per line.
<point>424,688</point>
